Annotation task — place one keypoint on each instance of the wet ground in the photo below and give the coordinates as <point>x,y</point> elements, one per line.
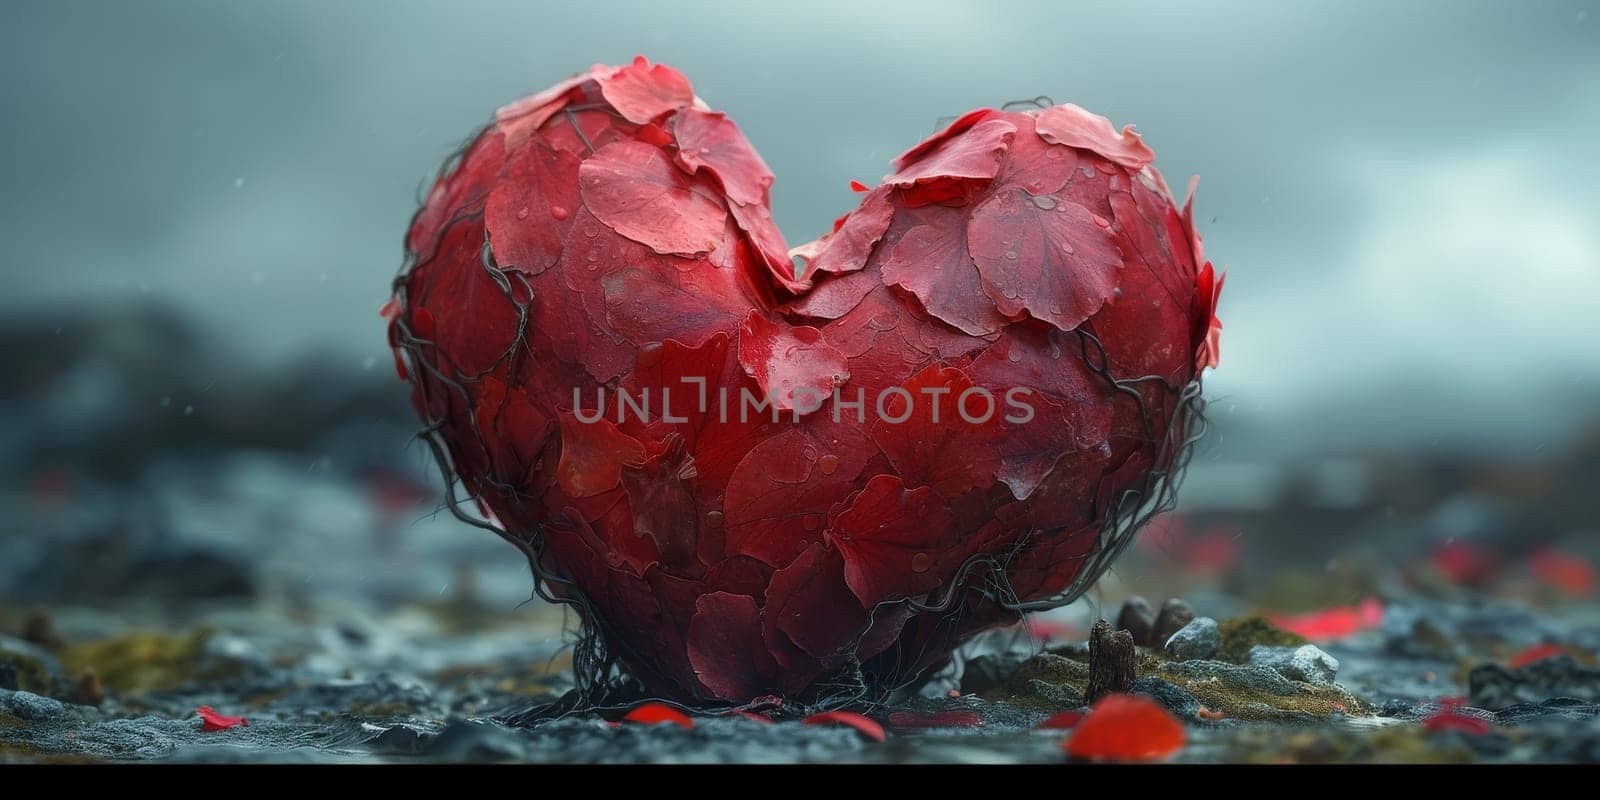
<point>346,623</point>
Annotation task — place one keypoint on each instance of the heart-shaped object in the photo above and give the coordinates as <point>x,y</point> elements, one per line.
<point>807,473</point>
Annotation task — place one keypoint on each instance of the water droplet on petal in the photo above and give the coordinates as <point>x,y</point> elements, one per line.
<point>522,213</point>
<point>1044,201</point>
<point>921,562</point>
<point>650,354</point>
<point>828,464</point>
<point>714,519</point>
<point>560,212</point>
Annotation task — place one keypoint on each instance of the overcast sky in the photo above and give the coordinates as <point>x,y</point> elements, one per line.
<point>1406,195</point>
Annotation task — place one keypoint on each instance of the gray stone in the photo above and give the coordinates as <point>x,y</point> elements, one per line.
<point>1306,663</point>
<point>29,706</point>
<point>1177,699</point>
<point>1197,640</point>
<point>1494,687</point>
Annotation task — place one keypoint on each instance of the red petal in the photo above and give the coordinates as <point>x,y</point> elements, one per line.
<point>1571,573</point>
<point>709,140</point>
<point>1033,164</point>
<point>1074,127</point>
<point>1062,721</point>
<point>1051,258</point>
<point>1449,719</point>
<point>934,445</point>
<point>522,117</point>
<point>1208,290</point>
<point>463,309</point>
<point>513,427</point>
<point>835,296</point>
<point>937,719</point>
<point>725,645</point>
<point>688,305</point>
<point>1465,563</point>
<point>642,91</point>
<point>636,191</point>
<point>931,261</point>
<point>850,245</point>
<point>779,495</point>
<point>1333,623</point>
<point>773,253</point>
<point>793,364</point>
<point>1536,653</point>
<point>810,607</point>
<point>858,186</point>
<point>1126,728</point>
<point>864,726</point>
<point>893,541</point>
<point>652,713</point>
<point>593,455</point>
<point>661,498</point>
<point>973,154</point>
<point>532,206</point>
<point>961,124</point>
<point>211,721</point>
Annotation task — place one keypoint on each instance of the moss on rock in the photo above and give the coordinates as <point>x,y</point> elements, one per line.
<point>1239,634</point>
<point>141,662</point>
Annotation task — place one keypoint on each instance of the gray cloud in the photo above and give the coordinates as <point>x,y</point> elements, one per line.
<point>1405,194</point>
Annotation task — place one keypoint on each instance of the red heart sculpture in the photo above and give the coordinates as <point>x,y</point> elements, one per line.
<point>812,473</point>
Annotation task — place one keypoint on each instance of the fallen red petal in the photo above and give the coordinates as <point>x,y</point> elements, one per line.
<point>1573,574</point>
<point>1126,728</point>
<point>1536,653</point>
<point>1465,563</point>
<point>936,719</point>
<point>863,725</point>
<point>211,721</point>
<point>652,713</point>
<point>1333,623</point>
<point>1450,719</point>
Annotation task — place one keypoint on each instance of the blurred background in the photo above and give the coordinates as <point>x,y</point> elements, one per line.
<point>203,205</point>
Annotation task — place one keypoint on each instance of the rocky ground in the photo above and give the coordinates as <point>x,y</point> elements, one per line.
<point>347,625</point>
